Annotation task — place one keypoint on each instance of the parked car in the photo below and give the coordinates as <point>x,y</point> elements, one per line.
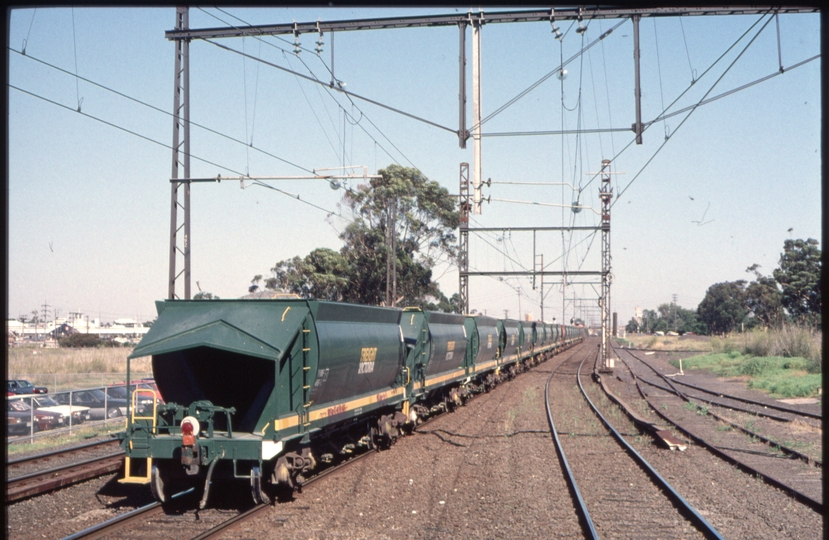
<point>19,386</point>
<point>43,420</point>
<point>48,404</point>
<point>145,400</point>
<point>100,405</point>
<point>18,423</point>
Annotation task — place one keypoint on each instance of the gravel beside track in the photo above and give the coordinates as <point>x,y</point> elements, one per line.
<point>72,509</point>
<point>739,505</point>
<point>487,470</point>
<point>798,475</point>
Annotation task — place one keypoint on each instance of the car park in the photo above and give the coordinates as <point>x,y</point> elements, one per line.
<point>19,387</point>
<point>48,404</point>
<point>145,399</point>
<point>42,420</point>
<point>100,405</point>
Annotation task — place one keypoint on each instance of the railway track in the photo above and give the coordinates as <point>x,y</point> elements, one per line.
<point>180,518</point>
<point>623,497</point>
<point>732,401</point>
<point>725,405</point>
<point>28,477</point>
<point>752,452</point>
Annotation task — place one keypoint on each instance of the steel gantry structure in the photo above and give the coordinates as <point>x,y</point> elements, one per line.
<point>180,241</point>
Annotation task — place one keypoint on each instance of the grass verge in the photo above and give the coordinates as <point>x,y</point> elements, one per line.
<point>779,376</point>
<point>45,442</point>
<point>64,369</point>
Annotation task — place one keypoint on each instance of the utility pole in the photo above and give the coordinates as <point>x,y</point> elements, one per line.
<point>476,115</point>
<point>44,309</point>
<point>541,287</point>
<point>673,308</point>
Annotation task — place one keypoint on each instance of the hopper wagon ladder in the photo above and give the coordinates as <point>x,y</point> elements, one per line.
<point>140,442</point>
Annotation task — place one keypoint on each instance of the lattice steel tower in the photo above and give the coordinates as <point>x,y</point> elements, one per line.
<point>180,240</point>
<point>606,195</point>
<point>463,251</point>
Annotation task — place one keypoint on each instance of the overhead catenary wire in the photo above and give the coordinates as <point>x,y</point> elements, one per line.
<point>760,31</point>
<point>160,110</point>
<point>167,146</point>
<point>687,89</point>
<point>29,32</point>
<point>533,86</point>
<point>314,112</point>
<point>687,53</point>
<point>659,71</point>
<point>285,54</point>
<point>328,88</point>
<point>317,81</point>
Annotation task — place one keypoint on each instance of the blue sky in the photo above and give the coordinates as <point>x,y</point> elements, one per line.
<point>89,190</point>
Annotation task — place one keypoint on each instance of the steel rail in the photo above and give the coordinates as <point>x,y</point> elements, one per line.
<point>232,522</point>
<point>783,448</point>
<point>799,496</point>
<point>40,482</point>
<point>786,450</point>
<point>780,408</point>
<point>752,402</point>
<point>106,527</point>
<point>729,396</point>
<point>53,453</point>
<point>720,394</point>
<point>59,468</point>
<point>571,479</point>
<point>707,528</point>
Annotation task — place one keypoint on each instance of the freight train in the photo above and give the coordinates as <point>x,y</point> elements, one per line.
<point>268,391</point>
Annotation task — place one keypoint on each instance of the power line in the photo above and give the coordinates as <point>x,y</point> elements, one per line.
<point>317,81</point>
<point>167,146</point>
<point>533,86</point>
<point>687,89</point>
<point>328,88</point>
<point>760,31</point>
<point>157,109</point>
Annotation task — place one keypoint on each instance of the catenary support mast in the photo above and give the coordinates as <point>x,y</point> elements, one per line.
<point>606,195</point>
<point>180,233</point>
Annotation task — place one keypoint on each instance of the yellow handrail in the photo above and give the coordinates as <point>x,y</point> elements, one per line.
<point>129,478</point>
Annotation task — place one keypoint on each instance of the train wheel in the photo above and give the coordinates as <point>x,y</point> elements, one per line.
<point>164,485</point>
<point>159,484</point>
<point>257,487</point>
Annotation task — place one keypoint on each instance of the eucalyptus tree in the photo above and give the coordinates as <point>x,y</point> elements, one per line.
<point>403,225</point>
